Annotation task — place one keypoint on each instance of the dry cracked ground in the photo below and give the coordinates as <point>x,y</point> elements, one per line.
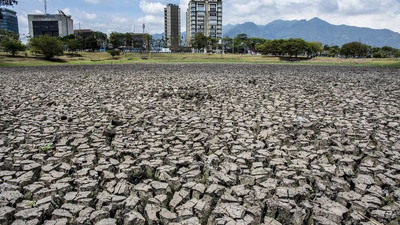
<point>199,144</point>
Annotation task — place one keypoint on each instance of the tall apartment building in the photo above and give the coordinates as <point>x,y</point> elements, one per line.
<point>172,18</point>
<point>204,16</point>
<point>9,22</point>
<point>58,25</point>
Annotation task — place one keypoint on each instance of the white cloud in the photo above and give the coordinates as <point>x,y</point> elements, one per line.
<point>92,1</point>
<point>67,11</point>
<point>90,16</point>
<point>154,16</point>
<point>120,20</point>
<point>23,25</point>
<point>152,8</point>
<point>149,19</point>
<point>367,13</point>
<point>357,7</point>
<point>154,24</point>
<point>183,5</point>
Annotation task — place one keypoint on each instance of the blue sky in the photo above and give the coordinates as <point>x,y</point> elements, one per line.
<point>129,15</point>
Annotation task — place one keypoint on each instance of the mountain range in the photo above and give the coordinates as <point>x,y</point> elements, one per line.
<point>316,30</point>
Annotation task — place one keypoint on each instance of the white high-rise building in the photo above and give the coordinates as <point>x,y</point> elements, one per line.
<point>204,16</point>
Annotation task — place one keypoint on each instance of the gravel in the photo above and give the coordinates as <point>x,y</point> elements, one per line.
<point>199,144</point>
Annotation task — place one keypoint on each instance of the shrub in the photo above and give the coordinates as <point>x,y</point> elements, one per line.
<point>46,148</point>
<point>47,46</point>
<point>113,53</point>
<point>12,46</point>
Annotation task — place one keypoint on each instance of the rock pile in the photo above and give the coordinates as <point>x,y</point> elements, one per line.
<point>199,144</point>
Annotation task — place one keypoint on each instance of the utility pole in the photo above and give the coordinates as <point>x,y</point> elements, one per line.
<point>45,7</point>
<point>144,26</point>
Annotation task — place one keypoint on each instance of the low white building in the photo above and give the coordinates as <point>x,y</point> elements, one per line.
<point>57,25</point>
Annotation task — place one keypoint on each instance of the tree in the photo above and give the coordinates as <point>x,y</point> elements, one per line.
<point>200,41</point>
<point>12,46</point>
<point>334,51</point>
<point>10,42</point>
<point>273,47</point>
<point>128,40</point>
<point>212,42</point>
<point>47,46</point>
<point>227,43</point>
<point>117,39</point>
<point>158,43</point>
<point>241,37</point>
<point>8,34</point>
<point>101,38</point>
<point>113,53</point>
<point>240,43</point>
<point>165,39</point>
<point>68,37</point>
<point>314,48</point>
<point>94,41</point>
<point>91,43</point>
<point>148,39</point>
<point>72,44</point>
<point>294,46</point>
<point>178,40</point>
<point>389,51</point>
<point>260,48</point>
<point>253,42</point>
<point>354,49</point>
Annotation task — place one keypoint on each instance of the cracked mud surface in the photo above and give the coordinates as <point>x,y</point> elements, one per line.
<point>199,144</point>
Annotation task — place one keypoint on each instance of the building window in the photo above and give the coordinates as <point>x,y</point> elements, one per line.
<point>45,27</point>
<point>200,7</point>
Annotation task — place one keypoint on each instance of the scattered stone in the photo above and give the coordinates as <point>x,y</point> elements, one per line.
<point>6,214</point>
<point>108,221</point>
<point>193,144</point>
<point>134,218</point>
<point>109,132</point>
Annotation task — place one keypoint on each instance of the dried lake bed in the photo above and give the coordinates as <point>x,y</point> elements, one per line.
<point>199,144</point>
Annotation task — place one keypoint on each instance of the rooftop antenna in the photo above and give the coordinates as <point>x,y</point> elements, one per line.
<point>144,26</point>
<point>61,12</point>
<point>45,7</point>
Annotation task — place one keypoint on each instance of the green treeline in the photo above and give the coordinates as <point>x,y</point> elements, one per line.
<point>241,44</point>
<point>295,46</point>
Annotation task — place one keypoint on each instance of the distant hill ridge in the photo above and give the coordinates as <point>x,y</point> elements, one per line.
<point>316,30</point>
